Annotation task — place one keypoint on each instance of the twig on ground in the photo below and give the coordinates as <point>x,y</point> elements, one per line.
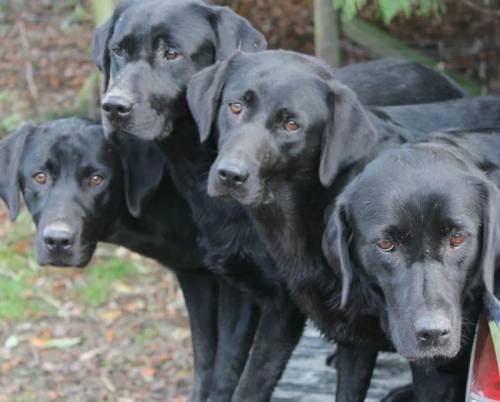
<point>481,9</point>
<point>28,67</point>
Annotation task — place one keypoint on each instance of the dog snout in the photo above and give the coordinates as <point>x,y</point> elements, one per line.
<point>232,173</point>
<point>433,330</point>
<point>115,105</point>
<point>58,238</point>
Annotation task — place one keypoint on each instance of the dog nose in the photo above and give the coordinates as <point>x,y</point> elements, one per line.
<point>232,173</point>
<point>433,331</point>
<point>58,238</point>
<point>116,105</point>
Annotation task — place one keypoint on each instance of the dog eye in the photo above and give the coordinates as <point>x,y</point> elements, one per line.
<point>236,107</point>
<point>291,125</point>
<point>40,178</point>
<point>119,51</point>
<point>170,54</point>
<point>385,245</point>
<point>457,239</point>
<point>96,180</point>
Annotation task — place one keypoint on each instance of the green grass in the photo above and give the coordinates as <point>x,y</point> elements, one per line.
<point>146,336</point>
<point>101,277</point>
<point>17,299</point>
<point>18,272</point>
<point>21,298</point>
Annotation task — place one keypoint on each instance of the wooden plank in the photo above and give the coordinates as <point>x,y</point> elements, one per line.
<point>385,45</point>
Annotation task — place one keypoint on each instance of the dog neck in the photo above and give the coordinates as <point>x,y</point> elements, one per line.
<point>160,232</point>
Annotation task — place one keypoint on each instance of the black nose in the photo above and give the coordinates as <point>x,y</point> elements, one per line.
<point>58,238</point>
<point>116,105</point>
<point>433,332</point>
<point>232,173</point>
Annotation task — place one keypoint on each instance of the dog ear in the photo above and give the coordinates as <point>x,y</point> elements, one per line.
<point>143,167</point>
<point>234,33</point>
<point>348,136</point>
<point>491,236</point>
<point>336,240</point>
<point>203,95</point>
<point>100,50</point>
<point>11,151</point>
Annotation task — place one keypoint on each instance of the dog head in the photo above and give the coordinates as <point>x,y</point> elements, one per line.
<point>277,116</point>
<point>151,48</point>
<point>72,182</point>
<point>418,228</point>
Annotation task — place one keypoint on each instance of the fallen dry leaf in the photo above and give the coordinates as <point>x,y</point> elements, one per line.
<point>53,395</point>
<point>157,360</point>
<point>179,399</point>
<point>110,316</point>
<point>110,335</point>
<point>21,246</point>
<point>9,365</point>
<point>148,373</point>
<point>133,306</point>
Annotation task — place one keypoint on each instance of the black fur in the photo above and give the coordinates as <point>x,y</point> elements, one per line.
<point>419,197</point>
<point>147,99</point>
<point>136,206</point>
<point>284,177</point>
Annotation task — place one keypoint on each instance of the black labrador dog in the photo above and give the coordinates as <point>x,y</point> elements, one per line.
<point>417,235</point>
<point>151,49</point>
<point>81,190</point>
<point>285,130</point>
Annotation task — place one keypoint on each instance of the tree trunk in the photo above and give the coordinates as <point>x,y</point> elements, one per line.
<point>102,10</point>
<point>89,101</point>
<point>327,32</point>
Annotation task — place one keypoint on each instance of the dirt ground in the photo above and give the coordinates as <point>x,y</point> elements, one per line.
<point>116,331</point>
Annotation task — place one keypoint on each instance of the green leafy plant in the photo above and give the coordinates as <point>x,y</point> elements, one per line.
<point>390,8</point>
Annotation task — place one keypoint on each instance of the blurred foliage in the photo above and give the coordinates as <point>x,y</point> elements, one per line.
<point>96,288</point>
<point>389,9</point>
<point>78,16</point>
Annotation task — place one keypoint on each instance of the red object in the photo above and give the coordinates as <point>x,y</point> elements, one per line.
<point>485,381</point>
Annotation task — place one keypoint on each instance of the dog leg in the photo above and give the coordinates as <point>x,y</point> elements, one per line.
<point>280,329</point>
<point>330,359</point>
<point>355,364</point>
<point>201,294</point>
<point>238,318</point>
<point>401,394</point>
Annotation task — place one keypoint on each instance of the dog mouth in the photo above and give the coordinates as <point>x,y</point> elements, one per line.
<point>408,346</point>
<point>260,196</point>
<point>150,125</point>
<point>430,353</point>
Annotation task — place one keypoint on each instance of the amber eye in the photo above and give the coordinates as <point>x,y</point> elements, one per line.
<point>119,51</point>
<point>40,178</point>
<point>171,54</point>
<point>236,107</point>
<point>457,239</point>
<point>291,125</point>
<point>385,245</point>
<point>96,180</point>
